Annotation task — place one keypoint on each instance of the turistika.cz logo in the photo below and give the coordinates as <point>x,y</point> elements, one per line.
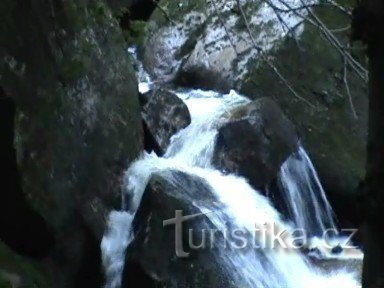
<point>262,236</point>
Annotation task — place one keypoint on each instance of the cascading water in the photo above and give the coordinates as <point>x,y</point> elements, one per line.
<point>304,195</point>
<point>240,205</point>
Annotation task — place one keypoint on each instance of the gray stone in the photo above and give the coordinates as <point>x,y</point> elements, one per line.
<point>255,142</point>
<point>164,114</point>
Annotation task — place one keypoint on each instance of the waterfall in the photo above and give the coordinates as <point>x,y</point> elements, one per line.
<point>194,145</point>
<point>239,204</point>
<point>304,195</point>
<point>116,239</point>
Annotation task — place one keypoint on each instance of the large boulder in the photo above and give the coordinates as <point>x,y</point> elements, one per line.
<point>164,114</point>
<point>255,142</point>
<point>151,258</point>
<point>78,121</point>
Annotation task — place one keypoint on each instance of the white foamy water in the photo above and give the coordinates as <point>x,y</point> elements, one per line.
<point>190,151</point>
<point>304,194</point>
<point>194,145</point>
<point>115,241</point>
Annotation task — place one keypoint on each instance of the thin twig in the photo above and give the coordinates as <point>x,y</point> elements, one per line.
<point>164,12</point>
<point>260,51</point>
<point>362,71</point>
<point>339,30</point>
<point>284,25</point>
<point>348,90</point>
<point>315,21</point>
<point>225,27</point>
<point>340,7</point>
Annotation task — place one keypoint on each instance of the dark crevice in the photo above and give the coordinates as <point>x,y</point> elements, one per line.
<point>21,228</point>
<point>150,144</point>
<point>202,78</point>
<point>90,273</point>
<point>140,10</point>
<point>134,276</point>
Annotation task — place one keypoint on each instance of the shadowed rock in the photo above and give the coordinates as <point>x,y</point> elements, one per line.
<point>153,251</point>
<point>164,114</point>
<point>255,142</point>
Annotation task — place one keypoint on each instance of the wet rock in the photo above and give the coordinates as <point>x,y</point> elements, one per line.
<point>337,250</point>
<point>164,114</point>
<point>183,37</point>
<point>353,266</point>
<point>255,142</point>
<point>202,78</point>
<point>153,251</point>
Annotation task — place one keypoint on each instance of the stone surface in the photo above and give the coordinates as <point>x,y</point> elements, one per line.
<point>153,250</point>
<point>255,142</point>
<point>78,121</point>
<point>200,35</point>
<point>164,114</point>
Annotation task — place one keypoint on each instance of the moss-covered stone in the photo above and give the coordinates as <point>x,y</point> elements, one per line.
<point>78,121</point>
<point>334,138</point>
<point>17,271</point>
<point>136,33</point>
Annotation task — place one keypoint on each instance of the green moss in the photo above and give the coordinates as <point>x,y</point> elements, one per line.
<point>31,273</point>
<point>136,32</point>
<point>335,140</point>
<point>176,10</point>
<point>99,11</point>
<point>73,69</point>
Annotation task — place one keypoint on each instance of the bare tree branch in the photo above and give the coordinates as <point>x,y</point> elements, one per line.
<point>332,38</point>
<point>345,79</point>
<point>274,68</point>
<point>224,26</point>
<point>285,26</point>
<point>340,7</point>
<point>315,21</point>
<point>166,15</point>
<point>339,30</point>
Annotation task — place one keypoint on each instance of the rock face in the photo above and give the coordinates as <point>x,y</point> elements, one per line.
<point>153,250</point>
<point>164,114</point>
<point>17,271</point>
<point>201,36</point>
<point>78,120</point>
<point>255,142</point>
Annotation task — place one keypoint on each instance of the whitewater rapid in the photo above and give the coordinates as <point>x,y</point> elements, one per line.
<point>191,151</point>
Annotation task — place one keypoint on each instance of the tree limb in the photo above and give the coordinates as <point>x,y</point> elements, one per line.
<point>274,68</point>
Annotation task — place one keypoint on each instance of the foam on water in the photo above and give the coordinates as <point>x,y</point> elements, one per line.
<point>191,151</point>
<point>115,241</point>
<point>304,194</point>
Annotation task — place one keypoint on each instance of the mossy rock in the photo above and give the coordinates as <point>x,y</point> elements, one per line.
<point>335,139</point>
<point>78,123</point>
<point>18,271</point>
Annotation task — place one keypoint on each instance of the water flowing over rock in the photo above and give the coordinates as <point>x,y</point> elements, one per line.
<point>185,179</point>
<point>304,195</point>
<point>188,39</point>
<point>255,142</point>
<point>153,248</point>
<point>164,115</point>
